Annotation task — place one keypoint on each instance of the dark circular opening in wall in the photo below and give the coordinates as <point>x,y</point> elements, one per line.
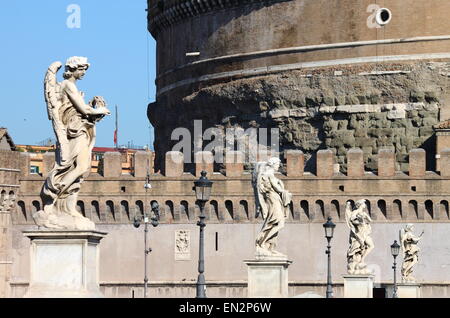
<point>384,16</point>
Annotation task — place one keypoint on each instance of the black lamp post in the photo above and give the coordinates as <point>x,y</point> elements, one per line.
<point>395,249</point>
<point>147,219</point>
<point>202,189</point>
<point>329,230</point>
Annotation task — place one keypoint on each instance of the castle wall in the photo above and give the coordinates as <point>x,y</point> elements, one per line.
<point>394,198</point>
<point>255,34</point>
<point>322,72</point>
<point>122,258</point>
<point>9,189</point>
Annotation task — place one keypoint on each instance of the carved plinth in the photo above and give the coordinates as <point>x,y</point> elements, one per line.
<point>64,264</point>
<point>358,286</point>
<point>408,290</point>
<point>268,278</point>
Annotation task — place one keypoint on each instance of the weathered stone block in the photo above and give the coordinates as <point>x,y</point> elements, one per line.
<point>425,131</point>
<point>351,100</point>
<point>355,163</point>
<point>112,164</point>
<point>325,162</point>
<point>358,286</point>
<point>234,163</point>
<point>429,121</point>
<point>204,161</point>
<point>374,99</point>
<point>386,163</point>
<point>444,162</point>
<point>174,165</point>
<point>295,163</point>
<point>378,116</point>
<point>365,142</point>
<point>329,100</point>
<point>342,124</point>
<point>367,150</point>
<point>408,290</point>
<point>74,274</point>
<point>339,100</point>
<point>267,278</point>
<point>25,164</point>
<point>362,99</point>
<point>396,114</point>
<point>412,132</point>
<point>360,133</point>
<point>143,162</point>
<point>417,163</point>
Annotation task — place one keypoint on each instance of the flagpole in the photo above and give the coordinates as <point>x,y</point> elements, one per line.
<point>116,132</point>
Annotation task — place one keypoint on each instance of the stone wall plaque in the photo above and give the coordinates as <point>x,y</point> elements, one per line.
<point>182,245</point>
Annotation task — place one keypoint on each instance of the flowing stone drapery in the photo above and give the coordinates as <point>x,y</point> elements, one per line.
<point>272,201</point>
<point>410,252</point>
<point>361,244</point>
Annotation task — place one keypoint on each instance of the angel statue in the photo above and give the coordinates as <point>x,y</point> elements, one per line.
<point>361,244</point>
<point>272,201</point>
<point>74,126</point>
<point>410,251</point>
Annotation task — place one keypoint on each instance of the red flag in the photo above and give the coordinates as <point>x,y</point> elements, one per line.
<point>115,137</point>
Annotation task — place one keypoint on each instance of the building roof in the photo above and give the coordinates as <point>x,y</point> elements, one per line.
<point>110,149</point>
<point>4,134</point>
<point>443,125</point>
<point>104,149</point>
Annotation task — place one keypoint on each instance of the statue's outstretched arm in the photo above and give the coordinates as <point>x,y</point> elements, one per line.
<point>77,100</point>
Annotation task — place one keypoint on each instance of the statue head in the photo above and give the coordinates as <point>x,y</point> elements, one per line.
<point>409,227</point>
<point>360,203</point>
<point>274,163</point>
<point>76,67</point>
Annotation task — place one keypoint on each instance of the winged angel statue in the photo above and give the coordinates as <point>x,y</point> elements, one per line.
<point>361,244</point>
<point>410,251</point>
<point>74,126</point>
<point>272,201</point>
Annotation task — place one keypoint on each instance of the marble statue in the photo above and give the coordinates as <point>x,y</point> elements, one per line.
<point>74,126</point>
<point>361,244</point>
<point>410,250</point>
<point>7,201</point>
<point>272,201</point>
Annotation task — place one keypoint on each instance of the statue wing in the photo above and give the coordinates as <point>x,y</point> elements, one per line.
<point>256,183</point>
<point>52,89</point>
<point>348,214</point>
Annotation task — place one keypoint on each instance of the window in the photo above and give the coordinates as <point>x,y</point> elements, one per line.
<point>34,170</point>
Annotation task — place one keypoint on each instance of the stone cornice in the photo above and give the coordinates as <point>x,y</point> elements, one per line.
<point>164,13</point>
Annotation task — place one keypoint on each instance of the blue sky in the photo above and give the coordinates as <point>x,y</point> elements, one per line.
<point>112,34</point>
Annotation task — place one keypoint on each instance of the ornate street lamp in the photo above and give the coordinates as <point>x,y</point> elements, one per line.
<point>147,219</point>
<point>329,231</point>
<point>202,189</point>
<point>395,250</point>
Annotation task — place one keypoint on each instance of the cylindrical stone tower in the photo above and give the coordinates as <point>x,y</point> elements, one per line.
<point>328,73</point>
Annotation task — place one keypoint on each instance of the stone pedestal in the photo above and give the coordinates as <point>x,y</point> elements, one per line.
<point>408,290</point>
<point>64,264</point>
<point>358,286</point>
<point>268,278</point>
